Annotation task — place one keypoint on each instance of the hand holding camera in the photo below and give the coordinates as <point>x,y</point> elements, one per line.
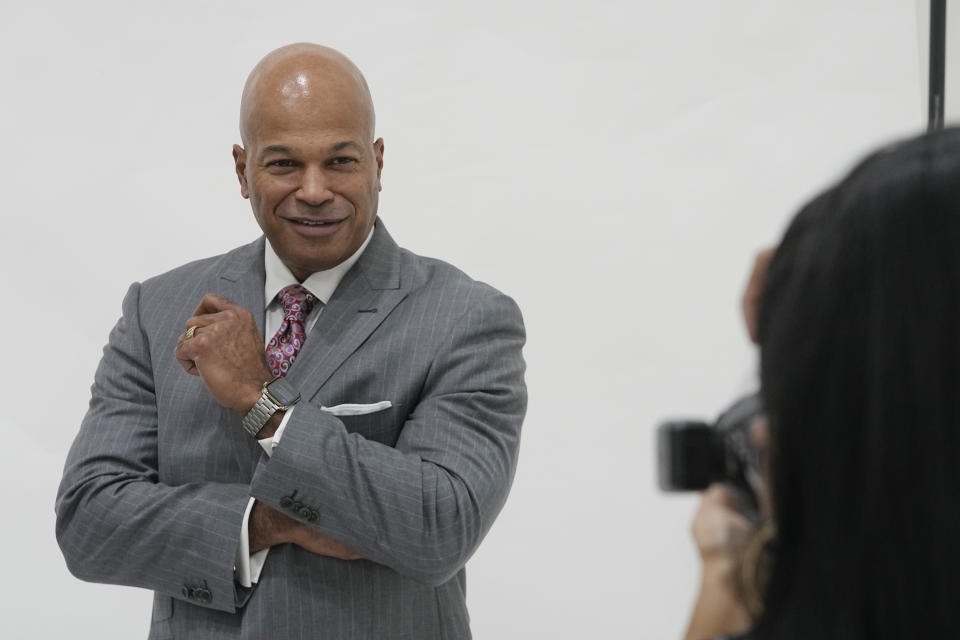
<point>727,460</point>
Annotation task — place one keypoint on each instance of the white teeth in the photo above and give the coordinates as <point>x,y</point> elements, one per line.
<point>312,224</point>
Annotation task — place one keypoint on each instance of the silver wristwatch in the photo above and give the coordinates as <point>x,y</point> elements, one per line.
<point>275,395</point>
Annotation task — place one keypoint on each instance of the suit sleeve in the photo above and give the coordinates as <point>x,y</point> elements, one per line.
<point>423,506</point>
<point>116,522</point>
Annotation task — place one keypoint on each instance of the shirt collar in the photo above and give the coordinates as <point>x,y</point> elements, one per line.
<point>321,284</point>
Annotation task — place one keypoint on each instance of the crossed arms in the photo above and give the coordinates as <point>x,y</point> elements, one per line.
<point>150,499</point>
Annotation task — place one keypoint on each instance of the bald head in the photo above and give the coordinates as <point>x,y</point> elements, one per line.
<point>304,81</point>
<point>309,164</point>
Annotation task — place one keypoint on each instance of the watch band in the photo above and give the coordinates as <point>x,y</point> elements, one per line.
<point>263,410</point>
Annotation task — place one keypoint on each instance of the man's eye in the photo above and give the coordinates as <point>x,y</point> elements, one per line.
<point>342,160</point>
<point>280,163</point>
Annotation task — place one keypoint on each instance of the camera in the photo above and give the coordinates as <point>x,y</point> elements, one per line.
<point>692,455</point>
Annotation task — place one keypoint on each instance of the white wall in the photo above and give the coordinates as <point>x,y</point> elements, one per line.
<point>612,165</point>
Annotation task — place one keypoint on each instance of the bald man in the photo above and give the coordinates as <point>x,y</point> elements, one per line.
<point>308,436</point>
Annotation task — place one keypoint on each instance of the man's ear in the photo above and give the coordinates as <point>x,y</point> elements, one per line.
<point>240,163</point>
<point>378,154</point>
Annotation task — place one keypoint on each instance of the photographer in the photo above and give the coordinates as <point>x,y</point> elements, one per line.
<point>859,333</point>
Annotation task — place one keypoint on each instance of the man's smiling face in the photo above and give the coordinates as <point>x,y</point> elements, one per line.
<point>310,167</point>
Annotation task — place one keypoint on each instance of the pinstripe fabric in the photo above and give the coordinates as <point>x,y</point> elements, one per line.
<point>156,483</point>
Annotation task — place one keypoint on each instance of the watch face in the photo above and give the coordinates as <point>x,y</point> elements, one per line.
<point>282,392</point>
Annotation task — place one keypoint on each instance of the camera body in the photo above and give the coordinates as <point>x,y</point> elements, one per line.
<point>693,455</point>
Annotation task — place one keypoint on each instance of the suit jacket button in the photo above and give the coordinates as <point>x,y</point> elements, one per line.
<point>187,592</point>
<point>290,501</point>
<point>314,516</point>
<point>204,595</point>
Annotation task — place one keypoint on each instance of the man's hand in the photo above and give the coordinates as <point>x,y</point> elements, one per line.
<point>268,527</point>
<point>754,291</point>
<point>226,351</point>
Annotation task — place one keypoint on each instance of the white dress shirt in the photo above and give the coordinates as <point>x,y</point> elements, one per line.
<point>321,284</point>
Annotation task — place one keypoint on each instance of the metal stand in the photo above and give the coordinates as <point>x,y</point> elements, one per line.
<point>938,51</point>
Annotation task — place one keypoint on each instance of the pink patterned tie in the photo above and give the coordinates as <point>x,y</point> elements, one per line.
<point>283,348</point>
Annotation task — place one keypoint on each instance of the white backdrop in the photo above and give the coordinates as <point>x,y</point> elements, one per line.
<point>612,165</point>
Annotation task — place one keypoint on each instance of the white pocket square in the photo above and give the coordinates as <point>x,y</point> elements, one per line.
<point>357,409</point>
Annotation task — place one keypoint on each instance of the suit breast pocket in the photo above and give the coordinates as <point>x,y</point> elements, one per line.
<point>382,425</point>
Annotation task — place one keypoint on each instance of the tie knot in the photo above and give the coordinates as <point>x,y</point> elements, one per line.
<point>297,301</point>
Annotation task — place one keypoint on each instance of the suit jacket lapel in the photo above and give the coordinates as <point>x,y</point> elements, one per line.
<point>241,281</point>
<point>365,297</point>
<point>242,278</point>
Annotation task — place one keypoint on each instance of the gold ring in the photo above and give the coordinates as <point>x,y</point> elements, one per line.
<point>189,333</point>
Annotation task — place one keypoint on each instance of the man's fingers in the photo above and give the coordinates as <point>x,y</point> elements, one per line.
<point>226,349</point>
<point>189,366</point>
<point>334,549</point>
<point>199,325</point>
<point>205,320</point>
<point>188,348</point>
<point>322,544</point>
<point>212,303</point>
<point>188,334</point>
<point>185,351</point>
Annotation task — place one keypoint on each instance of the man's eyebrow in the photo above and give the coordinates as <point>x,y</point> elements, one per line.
<point>283,149</point>
<point>340,146</point>
<point>275,148</point>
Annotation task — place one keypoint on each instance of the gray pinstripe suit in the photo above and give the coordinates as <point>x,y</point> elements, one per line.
<point>157,480</point>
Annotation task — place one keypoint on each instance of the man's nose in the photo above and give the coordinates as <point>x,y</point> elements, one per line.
<point>314,188</point>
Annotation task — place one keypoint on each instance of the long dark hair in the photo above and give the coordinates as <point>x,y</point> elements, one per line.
<point>860,372</point>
